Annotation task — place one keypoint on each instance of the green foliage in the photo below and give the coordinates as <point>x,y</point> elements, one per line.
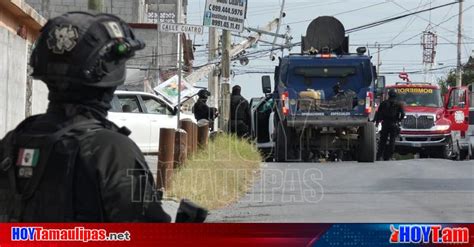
<point>95,5</point>
<point>449,80</point>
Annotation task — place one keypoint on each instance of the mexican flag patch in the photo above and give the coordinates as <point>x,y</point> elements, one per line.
<point>28,157</point>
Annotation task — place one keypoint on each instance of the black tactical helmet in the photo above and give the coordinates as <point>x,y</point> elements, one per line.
<point>84,49</point>
<point>204,94</point>
<point>392,93</point>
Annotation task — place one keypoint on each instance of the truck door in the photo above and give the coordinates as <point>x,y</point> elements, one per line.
<point>457,108</point>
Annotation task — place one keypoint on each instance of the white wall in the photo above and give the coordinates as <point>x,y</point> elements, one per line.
<point>40,98</point>
<point>13,67</point>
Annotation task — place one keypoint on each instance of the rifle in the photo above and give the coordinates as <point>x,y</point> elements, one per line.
<point>189,212</point>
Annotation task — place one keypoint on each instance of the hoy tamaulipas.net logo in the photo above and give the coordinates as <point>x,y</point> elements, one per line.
<point>74,234</point>
<point>429,234</point>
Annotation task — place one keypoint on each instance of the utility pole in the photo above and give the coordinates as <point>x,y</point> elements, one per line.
<point>180,59</point>
<point>278,28</point>
<point>252,39</point>
<point>379,63</point>
<point>213,82</point>
<point>95,5</point>
<point>459,64</point>
<point>224,117</point>
<point>158,40</point>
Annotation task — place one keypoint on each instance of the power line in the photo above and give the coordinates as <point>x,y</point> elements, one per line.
<point>385,21</point>
<point>381,22</point>
<point>417,35</point>
<point>341,13</point>
<point>429,21</point>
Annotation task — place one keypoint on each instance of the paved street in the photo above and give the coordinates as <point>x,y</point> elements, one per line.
<point>396,191</point>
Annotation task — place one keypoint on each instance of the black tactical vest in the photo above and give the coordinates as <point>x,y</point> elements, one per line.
<point>37,172</point>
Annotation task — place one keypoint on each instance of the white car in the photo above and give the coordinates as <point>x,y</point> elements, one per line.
<point>144,114</point>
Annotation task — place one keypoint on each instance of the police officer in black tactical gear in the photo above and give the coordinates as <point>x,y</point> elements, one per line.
<point>239,113</point>
<point>71,163</point>
<point>390,113</point>
<point>202,111</point>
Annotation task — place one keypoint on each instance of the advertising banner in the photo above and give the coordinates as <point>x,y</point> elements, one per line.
<point>226,14</point>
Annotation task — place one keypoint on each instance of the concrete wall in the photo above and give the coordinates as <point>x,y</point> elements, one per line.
<point>128,10</point>
<point>13,67</point>
<point>39,98</point>
<point>167,48</point>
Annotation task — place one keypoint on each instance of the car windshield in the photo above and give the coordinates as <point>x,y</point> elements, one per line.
<point>426,97</point>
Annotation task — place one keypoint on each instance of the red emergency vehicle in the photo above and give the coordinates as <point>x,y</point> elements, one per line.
<point>435,126</point>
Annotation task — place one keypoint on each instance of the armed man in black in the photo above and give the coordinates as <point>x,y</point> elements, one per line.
<point>390,113</point>
<point>71,163</point>
<point>202,111</point>
<point>239,113</point>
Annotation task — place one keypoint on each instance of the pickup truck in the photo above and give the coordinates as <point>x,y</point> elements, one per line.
<point>322,104</point>
<point>433,126</point>
<point>144,114</point>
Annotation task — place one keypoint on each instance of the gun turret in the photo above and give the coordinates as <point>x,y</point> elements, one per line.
<point>325,34</point>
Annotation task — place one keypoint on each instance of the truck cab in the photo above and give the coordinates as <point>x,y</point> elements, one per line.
<point>432,126</point>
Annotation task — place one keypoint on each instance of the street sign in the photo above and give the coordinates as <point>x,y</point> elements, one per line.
<point>226,14</point>
<point>181,28</point>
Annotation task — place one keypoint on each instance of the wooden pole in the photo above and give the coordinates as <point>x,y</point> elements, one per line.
<point>165,158</point>
<point>191,130</point>
<point>180,148</point>
<point>203,133</point>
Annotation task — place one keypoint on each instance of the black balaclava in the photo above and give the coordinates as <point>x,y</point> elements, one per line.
<point>236,90</point>
<point>88,101</point>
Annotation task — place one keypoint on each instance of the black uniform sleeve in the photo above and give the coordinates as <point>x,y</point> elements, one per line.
<point>126,184</point>
<point>379,114</point>
<point>402,112</point>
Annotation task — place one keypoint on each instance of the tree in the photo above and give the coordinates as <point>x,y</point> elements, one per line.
<point>449,80</point>
<point>95,5</point>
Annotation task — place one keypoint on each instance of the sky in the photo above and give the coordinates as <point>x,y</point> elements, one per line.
<point>404,34</point>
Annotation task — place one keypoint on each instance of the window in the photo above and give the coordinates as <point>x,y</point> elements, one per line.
<point>129,104</point>
<point>457,98</point>
<point>420,96</point>
<point>326,72</point>
<point>154,106</point>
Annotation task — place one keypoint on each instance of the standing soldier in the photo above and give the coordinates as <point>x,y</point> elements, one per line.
<point>71,163</point>
<point>239,113</point>
<point>390,113</point>
<point>202,111</point>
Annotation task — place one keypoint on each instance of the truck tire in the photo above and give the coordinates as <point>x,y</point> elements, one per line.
<point>367,144</point>
<point>448,149</point>
<point>281,143</point>
<point>465,154</point>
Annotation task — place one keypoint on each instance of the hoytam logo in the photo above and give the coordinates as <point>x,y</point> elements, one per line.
<point>429,234</point>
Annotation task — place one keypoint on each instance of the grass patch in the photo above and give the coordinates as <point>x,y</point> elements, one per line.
<point>219,175</point>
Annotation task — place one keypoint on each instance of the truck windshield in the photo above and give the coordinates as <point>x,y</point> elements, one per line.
<point>426,97</point>
<point>326,72</point>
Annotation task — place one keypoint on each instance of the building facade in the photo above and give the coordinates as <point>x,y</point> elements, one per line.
<point>158,61</point>
<point>132,11</point>
<point>20,96</point>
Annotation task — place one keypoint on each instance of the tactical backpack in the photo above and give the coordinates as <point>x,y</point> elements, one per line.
<point>37,172</point>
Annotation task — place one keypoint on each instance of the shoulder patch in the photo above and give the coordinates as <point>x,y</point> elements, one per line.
<point>62,38</point>
<point>114,29</point>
